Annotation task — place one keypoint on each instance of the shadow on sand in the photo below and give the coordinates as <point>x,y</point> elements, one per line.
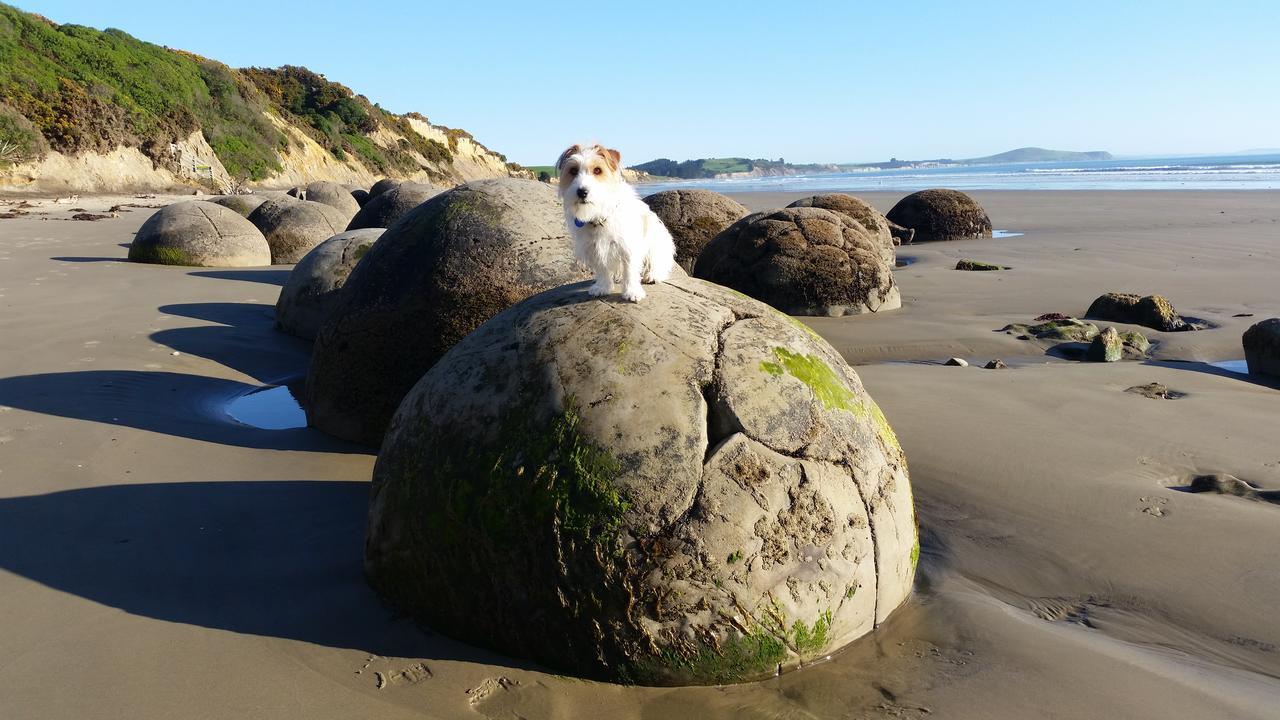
<point>270,277</point>
<point>245,339</point>
<point>1211,369</point>
<point>272,558</point>
<point>190,406</point>
<point>90,259</point>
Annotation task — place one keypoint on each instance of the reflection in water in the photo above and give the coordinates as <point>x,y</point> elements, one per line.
<point>269,408</point>
<point>1004,233</point>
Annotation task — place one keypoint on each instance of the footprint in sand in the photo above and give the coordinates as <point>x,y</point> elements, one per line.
<point>484,690</point>
<point>411,675</point>
<point>1154,506</point>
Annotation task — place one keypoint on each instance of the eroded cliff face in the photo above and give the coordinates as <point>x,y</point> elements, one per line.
<point>192,164</point>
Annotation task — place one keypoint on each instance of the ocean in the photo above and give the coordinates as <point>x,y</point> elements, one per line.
<point>1212,172</point>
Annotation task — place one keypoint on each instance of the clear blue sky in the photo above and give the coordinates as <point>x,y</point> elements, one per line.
<point>811,82</point>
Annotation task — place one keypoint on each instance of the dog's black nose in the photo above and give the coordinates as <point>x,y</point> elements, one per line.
<point>582,193</point>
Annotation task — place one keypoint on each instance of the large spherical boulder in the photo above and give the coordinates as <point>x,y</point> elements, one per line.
<point>243,204</point>
<point>1152,311</point>
<point>199,233</point>
<point>385,208</point>
<point>382,186</point>
<point>690,489</point>
<point>1262,347</point>
<point>694,217</point>
<point>860,212</point>
<point>445,268</point>
<point>941,215</point>
<point>803,261</point>
<point>312,289</point>
<point>293,227</point>
<point>329,193</point>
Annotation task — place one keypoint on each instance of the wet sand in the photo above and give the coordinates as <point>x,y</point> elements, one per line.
<point>159,560</point>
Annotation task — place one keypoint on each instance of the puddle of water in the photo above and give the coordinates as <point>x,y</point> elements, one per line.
<point>270,408</point>
<point>1005,233</point>
<point>904,261</point>
<point>1235,366</point>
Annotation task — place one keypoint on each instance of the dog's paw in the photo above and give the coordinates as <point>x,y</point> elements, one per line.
<point>598,289</point>
<point>633,294</point>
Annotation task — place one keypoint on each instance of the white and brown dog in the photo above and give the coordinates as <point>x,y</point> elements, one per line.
<point>614,233</point>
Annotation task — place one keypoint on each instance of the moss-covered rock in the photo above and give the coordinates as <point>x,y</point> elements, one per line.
<point>803,261</point>
<point>1106,347</point>
<point>1152,311</point>
<point>201,234</point>
<point>690,489</point>
<point>436,275</point>
<point>978,266</point>
<point>311,292</point>
<point>1067,330</point>
<point>1262,347</point>
<point>941,214</point>
<point>694,217</point>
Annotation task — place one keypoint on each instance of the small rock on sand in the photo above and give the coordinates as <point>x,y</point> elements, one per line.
<point>996,364</point>
<point>957,362</point>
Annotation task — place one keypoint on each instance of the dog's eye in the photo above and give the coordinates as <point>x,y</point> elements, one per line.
<point>573,171</point>
<point>597,171</point>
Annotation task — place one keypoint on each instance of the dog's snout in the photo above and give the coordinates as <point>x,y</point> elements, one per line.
<point>582,193</point>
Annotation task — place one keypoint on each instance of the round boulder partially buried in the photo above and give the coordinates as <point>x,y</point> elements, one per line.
<point>311,292</point>
<point>860,212</point>
<point>803,261</point>
<point>692,489</point>
<point>941,215</point>
<point>360,194</point>
<point>1262,347</point>
<point>445,268</point>
<point>201,234</point>
<point>385,208</point>
<point>694,217</point>
<point>293,227</point>
<point>330,193</point>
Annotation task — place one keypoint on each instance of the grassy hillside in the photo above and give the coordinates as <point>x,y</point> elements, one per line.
<point>693,169</point>
<point>74,89</point>
<point>1035,154</point>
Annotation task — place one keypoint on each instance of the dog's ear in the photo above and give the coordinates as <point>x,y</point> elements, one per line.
<point>613,157</point>
<point>564,156</point>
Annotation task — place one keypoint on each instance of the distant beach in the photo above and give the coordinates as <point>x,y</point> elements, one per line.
<point>1213,172</point>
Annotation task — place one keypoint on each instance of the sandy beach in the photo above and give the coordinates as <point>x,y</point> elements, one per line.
<point>159,559</point>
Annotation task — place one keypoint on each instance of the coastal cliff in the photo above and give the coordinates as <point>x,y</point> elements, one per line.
<point>83,110</point>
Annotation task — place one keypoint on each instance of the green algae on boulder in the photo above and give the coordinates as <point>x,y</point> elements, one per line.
<point>977,265</point>
<point>1152,311</point>
<point>688,490</point>
<point>1067,330</point>
<point>198,233</point>
<point>1106,347</point>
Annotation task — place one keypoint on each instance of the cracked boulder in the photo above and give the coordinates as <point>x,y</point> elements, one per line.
<point>201,234</point>
<point>693,489</point>
<point>448,265</point>
<point>312,289</point>
<point>694,217</point>
<point>803,261</point>
<point>1152,311</point>
<point>294,227</point>
<point>860,212</point>
<point>941,214</point>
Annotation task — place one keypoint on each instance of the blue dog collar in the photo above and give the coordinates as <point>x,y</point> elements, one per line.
<point>578,223</point>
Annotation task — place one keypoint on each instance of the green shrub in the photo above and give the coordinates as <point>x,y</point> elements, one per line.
<point>20,141</point>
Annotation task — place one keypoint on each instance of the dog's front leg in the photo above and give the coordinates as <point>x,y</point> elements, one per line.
<point>631,290</point>
<point>604,281</point>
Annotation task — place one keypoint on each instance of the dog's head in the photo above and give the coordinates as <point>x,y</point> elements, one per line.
<point>590,181</point>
